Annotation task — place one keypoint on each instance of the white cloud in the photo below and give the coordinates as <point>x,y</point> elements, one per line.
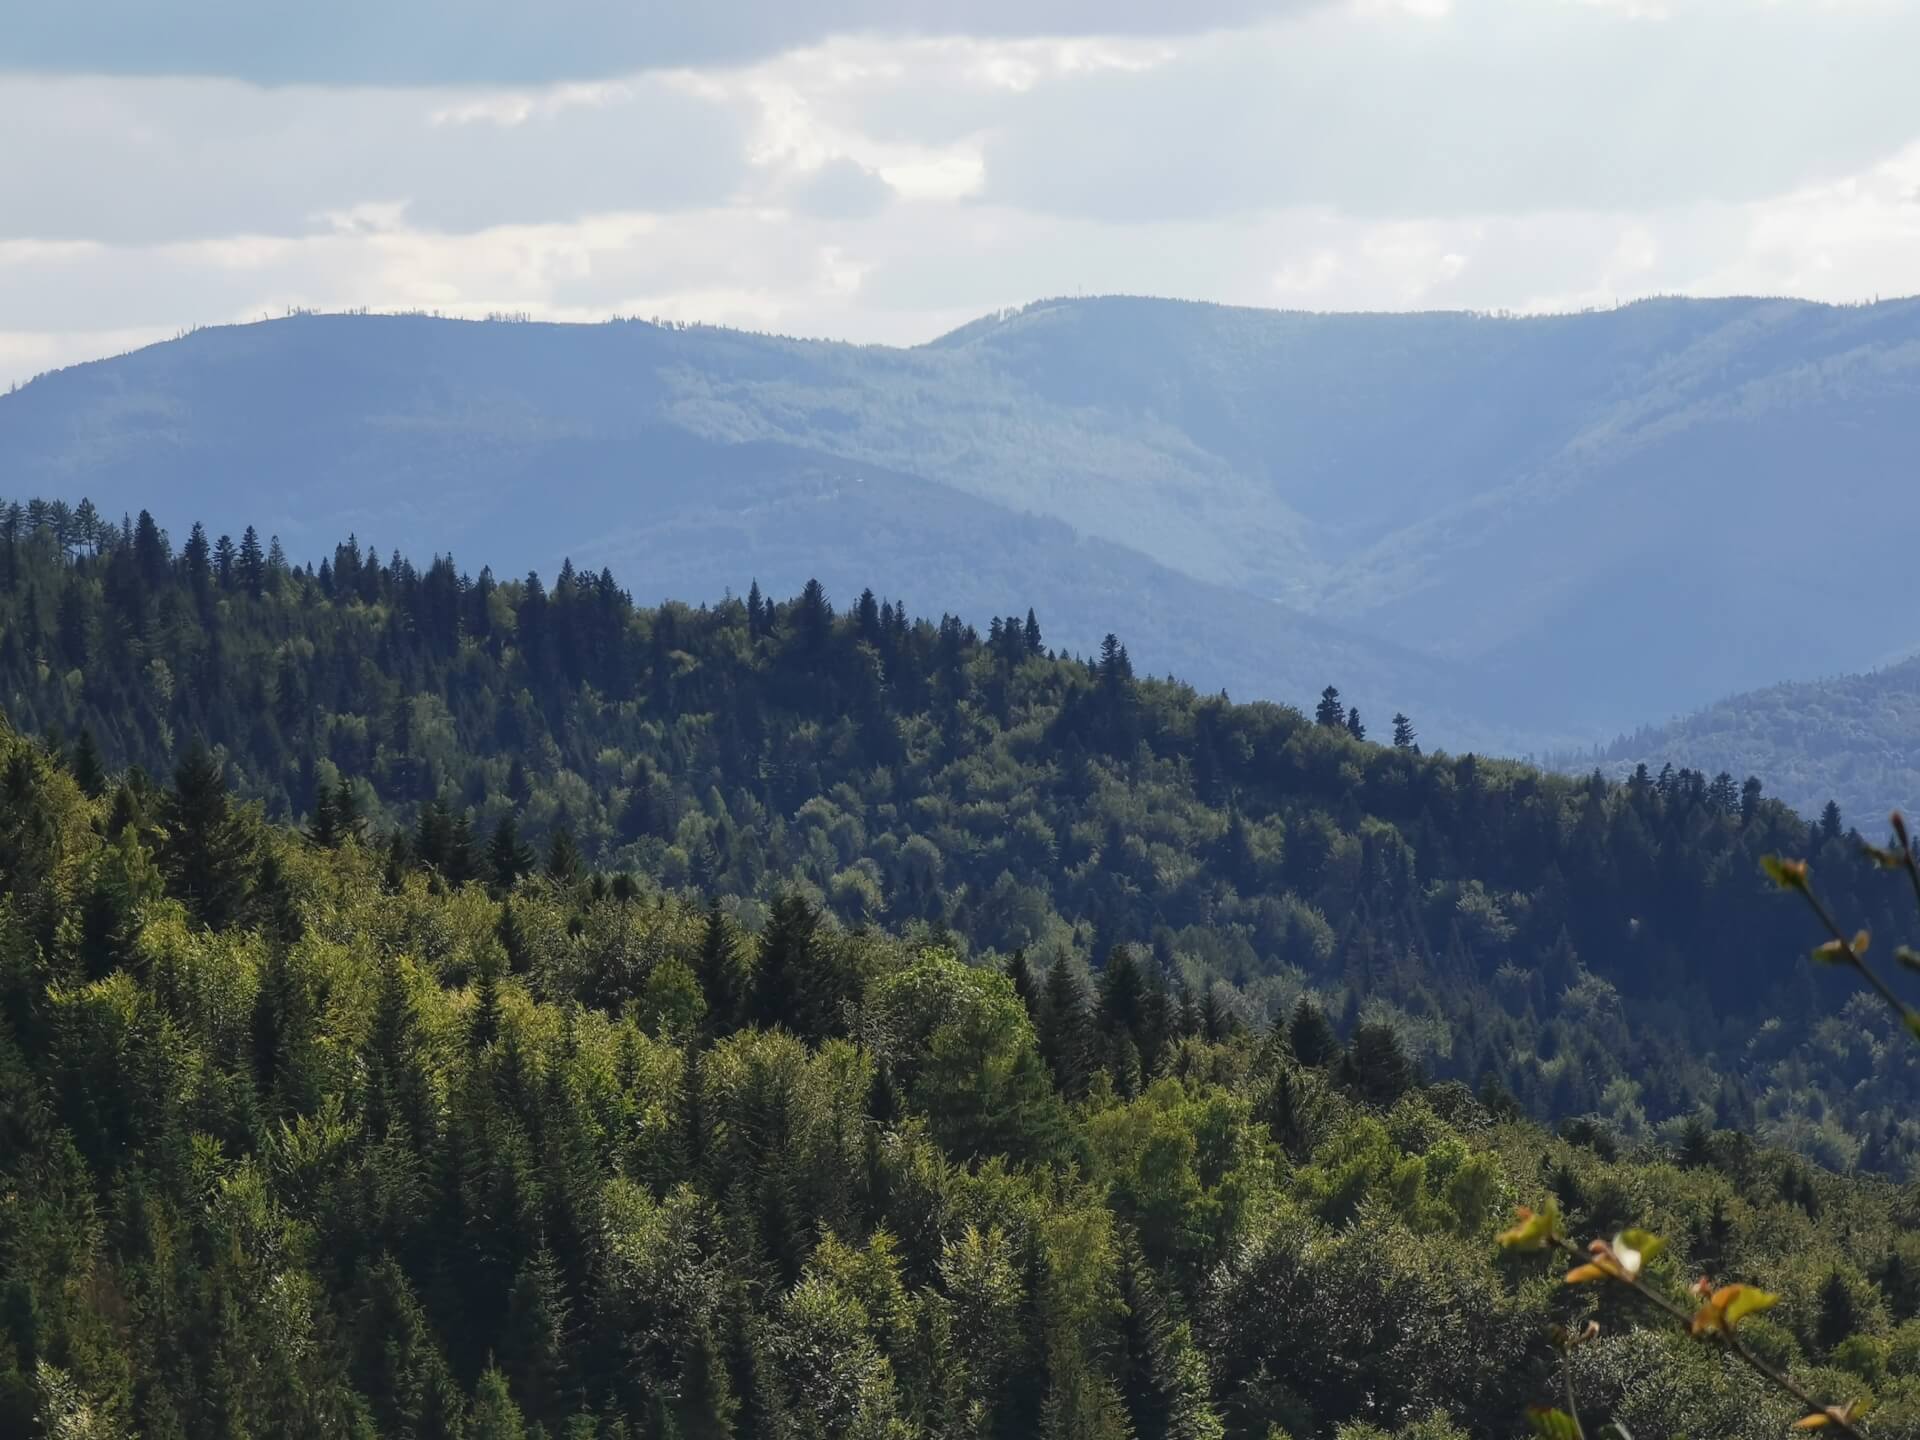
<point>1489,154</point>
<point>452,42</point>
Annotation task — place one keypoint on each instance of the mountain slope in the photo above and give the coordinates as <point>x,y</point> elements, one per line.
<point>1853,739</point>
<point>1583,517</point>
<point>1500,920</point>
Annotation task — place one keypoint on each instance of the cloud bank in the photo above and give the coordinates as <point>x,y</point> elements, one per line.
<point>878,174</point>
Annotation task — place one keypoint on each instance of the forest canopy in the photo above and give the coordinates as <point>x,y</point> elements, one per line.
<point>991,793</point>
<point>439,1007</point>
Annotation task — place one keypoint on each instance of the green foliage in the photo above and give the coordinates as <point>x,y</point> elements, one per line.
<point>876,770</point>
<point>312,1132</point>
<point>379,1178</point>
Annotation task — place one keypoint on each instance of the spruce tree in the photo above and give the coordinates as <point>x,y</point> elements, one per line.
<point>706,1405</point>
<point>88,773</point>
<point>719,972</point>
<point>494,1415</point>
<point>507,858</point>
<point>1024,985</point>
<point>1354,727</point>
<point>787,983</point>
<point>563,858</point>
<point>512,936</point>
<point>1310,1036</point>
<point>1330,712</point>
<point>1403,736</point>
<point>539,1345</point>
<point>206,849</point>
<point>1064,1027</point>
<point>1838,1316</point>
<point>1376,1067</point>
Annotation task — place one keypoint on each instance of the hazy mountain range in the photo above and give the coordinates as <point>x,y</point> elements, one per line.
<point>1525,531</point>
<point>1854,739</point>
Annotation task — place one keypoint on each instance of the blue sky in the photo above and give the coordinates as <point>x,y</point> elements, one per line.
<point>883,171</point>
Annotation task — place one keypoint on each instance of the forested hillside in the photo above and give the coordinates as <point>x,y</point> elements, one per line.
<point>1586,949</point>
<point>1539,531</point>
<point>310,1135</point>
<point>1854,739</point>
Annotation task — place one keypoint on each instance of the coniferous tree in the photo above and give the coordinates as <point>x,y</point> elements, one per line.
<point>1376,1066</point>
<point>252,564</point>
<point>1024,985</point>
<point>207,847</point>
<point>1065,1027</point>
<point>789,987</point>
<point>88,773</point>
<point>563,858</point>
<point>494,1415</point>
<point>1403,736</point>
<point>540,1344</point>
<point>1354,727</point>
<point>720,971</point>
<point>706,1405</point>
<point>1310,1036</point>
<point>1330,712</point>
<point>507,858</point>
<point>1838,1316</point>
<point>513,938</point>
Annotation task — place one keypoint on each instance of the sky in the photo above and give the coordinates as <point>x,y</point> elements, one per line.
<point>884,170</point>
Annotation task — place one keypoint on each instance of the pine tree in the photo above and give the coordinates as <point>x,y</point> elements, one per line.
<point>563,858</point>
<point>1330,712</point>
<point>252,566</point>
<point>1310,1036</point>
<point>538,1348</point>
<point>483,1017</point>
<point>813,617</point>
<point>432,834</point>
<point>787,984</point>
<point>1838,1316</point>
<point>336,817</point>
<point>1376,1067</point>
<point>1024,985</point>
<point>507,858</point>
<point>706,1406</point>
<point>1123,992</point>
<point>1065,1028</point>
<point>1900,1283</point>
<point>206,851</point>
<point>1354,727</point>
<point>513,939</point>
<point>198,558</point>
<point>495,1416</point>
<point>1031,634</point>
<point>1403,736</point>
<point>461,866</point>
<point>88,773</point>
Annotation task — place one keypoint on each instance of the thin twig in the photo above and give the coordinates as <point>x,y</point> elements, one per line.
<point>1908,1016</point>
<point>1566,1380</point>
<point>1733,1344</point>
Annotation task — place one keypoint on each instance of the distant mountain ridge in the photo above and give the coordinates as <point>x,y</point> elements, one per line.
<point>1852,739</point>
<point>1528,530</point>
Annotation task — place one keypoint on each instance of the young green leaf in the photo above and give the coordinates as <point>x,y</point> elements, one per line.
<point>1552,1424</point>
<point>1787,874</point>
<point>1533,1231</point>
